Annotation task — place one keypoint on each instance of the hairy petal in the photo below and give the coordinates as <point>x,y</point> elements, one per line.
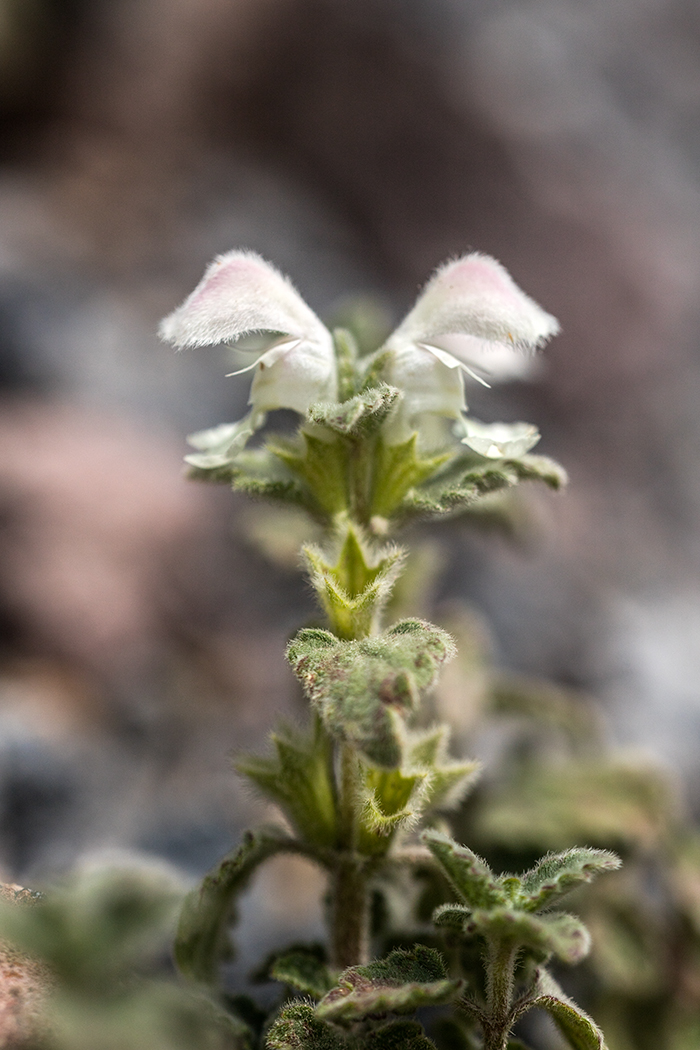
<point>239,294</point>
<point>428,382</point>
<point>294,376</point>
<point>475,296</point>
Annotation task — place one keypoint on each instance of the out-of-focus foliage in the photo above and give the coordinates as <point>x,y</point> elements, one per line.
<point>104,940</point>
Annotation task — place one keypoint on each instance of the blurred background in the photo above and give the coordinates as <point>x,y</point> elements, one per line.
<point>356,145</point>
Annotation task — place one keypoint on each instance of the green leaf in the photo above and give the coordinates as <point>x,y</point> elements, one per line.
<point>400,983</point>
<point>391,800</point>
<point>453,917</point>
<point>354,591</point>
<point>300,780</point>
<point>436,499</point>
<point>445,494</point>
<point>365,689</point>
<point>557,873</point>
<point>580,1031</point>
<point>469,875</point>
<point>305,970</point>
<point>322,466</point>
<point>298,1028</point>
<point>397,470</point>
<point>557,934</point>
<point>400,1035</point>
<point>448,780</point>
<point>202,940</point>
<point>361,416</point>
<point>259,472</point>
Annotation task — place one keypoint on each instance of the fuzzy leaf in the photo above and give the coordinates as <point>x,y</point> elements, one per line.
<point>322,467</point>
<point>450,783</point>
<point>557,873</point>
<point>391,800</point>
<point>304,970</point>
<point>259,472</point>
<point>448,780</point>
<point>364,689</point>
<point>96,927</point>
<point>557,934</point>
<point>399,469</point>
<point>580,1031</point>
<point>445,495</point>
<point>469,875</point>
<point>300,780</point>
<point>354,591</point>
<point>400,983</point>
<point>360,416</point>
<point>202,940</point>
<point>298,1028</point>
<point>452,917</point>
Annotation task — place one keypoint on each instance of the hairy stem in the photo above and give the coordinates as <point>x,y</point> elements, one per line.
<point>500,967</point>
<point>360,467</point>
<point>349,890</point>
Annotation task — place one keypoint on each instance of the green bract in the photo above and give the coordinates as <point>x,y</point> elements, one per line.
<point>365,690</point>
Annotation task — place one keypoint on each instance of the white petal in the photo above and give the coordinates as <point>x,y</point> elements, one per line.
<point>475,296</point>
<point>294,377</point>
<point>500,440</point>
<point>218,446</point>
<point>239,294</point>
<point>495,362</point>
<point>428,383</point>
<point>219,438</point>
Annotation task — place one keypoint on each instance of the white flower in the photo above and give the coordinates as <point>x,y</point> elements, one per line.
<point>500,440</point>
<point>241,294</point>
<point>472,318</point>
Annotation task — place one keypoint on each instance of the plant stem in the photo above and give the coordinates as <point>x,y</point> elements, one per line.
<point>349,890</point>
<point>360,465</point>
<point>500,967</point>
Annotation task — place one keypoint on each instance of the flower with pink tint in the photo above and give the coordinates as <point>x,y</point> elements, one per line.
<point>473,318</point>
<point>240,295</point>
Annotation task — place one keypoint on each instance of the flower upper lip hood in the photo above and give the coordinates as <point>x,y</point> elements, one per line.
<point>470,317</point>
<point>241,294</point>
<point>475,296</point>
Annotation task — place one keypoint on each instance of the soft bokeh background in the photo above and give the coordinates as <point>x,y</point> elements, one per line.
<point>356,145</point>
